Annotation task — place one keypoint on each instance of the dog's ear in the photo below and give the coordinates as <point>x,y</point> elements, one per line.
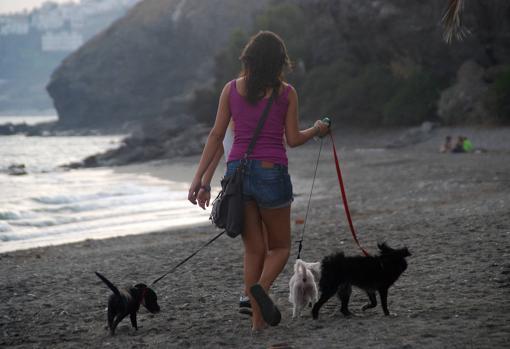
<point>384,248</point>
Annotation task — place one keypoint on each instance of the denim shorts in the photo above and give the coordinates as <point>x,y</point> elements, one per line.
<point>266,183</point>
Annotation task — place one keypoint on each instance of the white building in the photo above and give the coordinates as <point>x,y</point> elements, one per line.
<point>61,24</point>
<point>47,17</point>
<point>16,25</point>
<point>61,41</point>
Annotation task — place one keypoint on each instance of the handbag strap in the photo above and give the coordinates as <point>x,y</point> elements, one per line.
<point>262,120</point>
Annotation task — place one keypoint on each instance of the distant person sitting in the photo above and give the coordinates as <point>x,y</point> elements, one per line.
<point>467,145</point>
<point>447,146</point>
<point>463,145</point>
<point>459,146</point>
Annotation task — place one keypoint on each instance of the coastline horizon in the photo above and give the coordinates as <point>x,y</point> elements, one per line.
<point>47,205</point>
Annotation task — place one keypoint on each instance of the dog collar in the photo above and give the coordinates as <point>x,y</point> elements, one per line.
<point>144,291</point>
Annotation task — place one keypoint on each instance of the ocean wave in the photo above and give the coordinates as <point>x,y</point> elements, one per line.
<point>45,222</point>
<point>144,222</point>
<point>5,227</point>
<point>116,202</point>
<point>14,215</point>
<point>68,199</point>
<point>53,206</point>
<point>155,209</point>
<point>115,191</point>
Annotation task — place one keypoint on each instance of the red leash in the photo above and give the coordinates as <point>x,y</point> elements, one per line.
<point>344,196</point>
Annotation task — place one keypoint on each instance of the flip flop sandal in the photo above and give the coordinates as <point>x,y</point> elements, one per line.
<point>245,311</point>
<point>245,306</point>
<point>280,346</point>
<point>270,312</point>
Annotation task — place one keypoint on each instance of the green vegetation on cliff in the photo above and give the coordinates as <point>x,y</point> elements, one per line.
<point>370,64</point>
<point>497,98</point>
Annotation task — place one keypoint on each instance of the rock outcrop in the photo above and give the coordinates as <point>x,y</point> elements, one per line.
<point>463,101</point>
<point>146,62</point>
<point>156,140</point>
<point>414,135</point>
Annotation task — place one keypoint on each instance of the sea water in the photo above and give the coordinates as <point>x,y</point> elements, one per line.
<point>51,205</point>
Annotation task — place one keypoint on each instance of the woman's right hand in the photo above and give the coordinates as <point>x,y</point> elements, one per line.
<point>203,198</point>
<point>193,190</point>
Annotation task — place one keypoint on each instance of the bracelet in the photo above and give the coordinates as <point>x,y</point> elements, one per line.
<point>206,187</point>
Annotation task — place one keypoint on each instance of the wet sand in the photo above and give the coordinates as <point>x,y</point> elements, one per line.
<point>451,210</point>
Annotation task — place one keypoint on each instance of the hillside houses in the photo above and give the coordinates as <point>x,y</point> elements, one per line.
<point>63,27</point>
<point>33,43</point>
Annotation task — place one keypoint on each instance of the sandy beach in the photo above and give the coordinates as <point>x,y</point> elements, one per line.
<point>451,210</point>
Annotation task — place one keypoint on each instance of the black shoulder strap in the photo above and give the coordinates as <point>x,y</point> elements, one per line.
<point>262,120</point>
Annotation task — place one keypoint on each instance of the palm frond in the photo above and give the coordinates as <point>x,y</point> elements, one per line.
<point>452,21</point>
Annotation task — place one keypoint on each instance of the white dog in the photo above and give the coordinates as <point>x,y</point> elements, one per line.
<point>302,286</point>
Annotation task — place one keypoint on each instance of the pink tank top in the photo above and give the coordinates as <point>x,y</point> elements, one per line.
<point>269,145</point>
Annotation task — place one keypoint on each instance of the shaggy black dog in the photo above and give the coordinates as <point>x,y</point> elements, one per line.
<point>373,273</point>
<point>126,302</point>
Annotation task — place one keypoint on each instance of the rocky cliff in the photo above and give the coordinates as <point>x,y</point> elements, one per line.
<point>33,43</point>
<point>145,64</point>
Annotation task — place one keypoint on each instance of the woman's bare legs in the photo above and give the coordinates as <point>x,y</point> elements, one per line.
<point>277,222</point>
<point>254,255</point>
<point>264,261</point>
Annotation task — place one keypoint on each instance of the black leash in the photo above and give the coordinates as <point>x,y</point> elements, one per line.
<point>188,258</point>
<point>309,199</point>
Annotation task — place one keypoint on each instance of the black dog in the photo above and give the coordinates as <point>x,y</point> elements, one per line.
<point>127,302</point>
<point>371,274</point>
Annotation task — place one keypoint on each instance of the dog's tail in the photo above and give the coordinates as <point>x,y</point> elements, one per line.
<point>109,284</point>
<point>302,269</point>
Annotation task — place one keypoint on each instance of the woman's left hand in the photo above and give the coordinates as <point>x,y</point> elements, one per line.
<point>323,128</point>
<point>193,191</point>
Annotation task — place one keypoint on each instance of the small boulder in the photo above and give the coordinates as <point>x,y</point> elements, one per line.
<point>17,170</point>
<point>463,102</point>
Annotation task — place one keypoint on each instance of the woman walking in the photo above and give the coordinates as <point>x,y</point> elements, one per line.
<point>267,186</point>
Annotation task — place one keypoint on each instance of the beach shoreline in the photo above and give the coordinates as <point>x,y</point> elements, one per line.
<point>451,210</point>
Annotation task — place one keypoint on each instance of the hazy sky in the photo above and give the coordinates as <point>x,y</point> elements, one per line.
<point>7,6</point>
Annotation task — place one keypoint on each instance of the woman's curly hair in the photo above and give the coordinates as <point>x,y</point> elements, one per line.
<point>264,57</point>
